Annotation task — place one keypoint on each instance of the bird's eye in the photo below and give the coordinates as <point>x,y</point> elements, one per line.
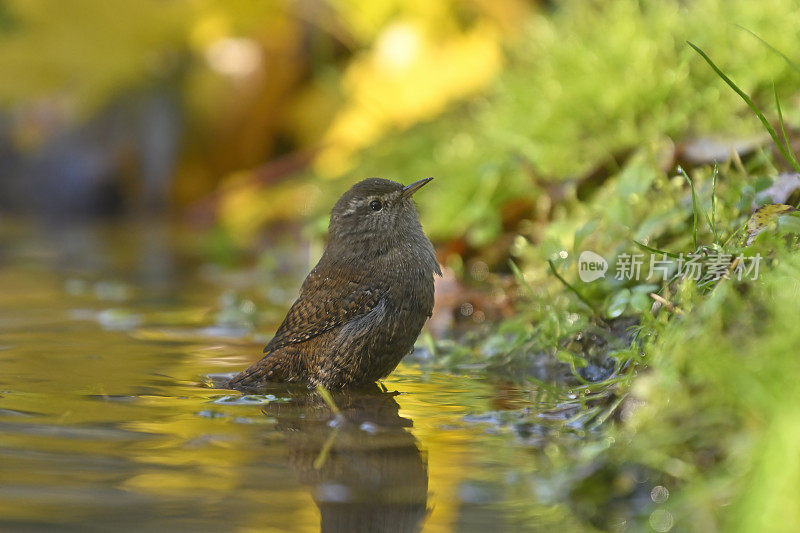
<point>376,205</point>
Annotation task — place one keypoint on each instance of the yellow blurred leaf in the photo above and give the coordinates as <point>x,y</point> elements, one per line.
<point>407,77</point>
<point>86,49</point>
<point>763,217</point>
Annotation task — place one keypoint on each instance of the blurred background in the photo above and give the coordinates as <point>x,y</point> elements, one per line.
<point>213,110</point>
<point>241,121</point>
<point>233,115</point>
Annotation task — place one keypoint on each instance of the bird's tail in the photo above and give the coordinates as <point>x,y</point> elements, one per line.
<point>269,368</point>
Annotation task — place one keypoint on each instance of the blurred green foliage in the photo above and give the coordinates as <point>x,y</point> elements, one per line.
<point>589,81</point>
<point>717,411</point>
<point>597,78</point>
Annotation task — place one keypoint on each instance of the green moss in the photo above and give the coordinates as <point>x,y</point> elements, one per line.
<point>719,412</point>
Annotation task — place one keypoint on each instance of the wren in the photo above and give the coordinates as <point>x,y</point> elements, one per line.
<point>363,305</point>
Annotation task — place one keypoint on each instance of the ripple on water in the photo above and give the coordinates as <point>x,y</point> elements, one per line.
<point>250,399</point>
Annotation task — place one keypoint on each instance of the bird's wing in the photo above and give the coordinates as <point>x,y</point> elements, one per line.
<point>324,304</point>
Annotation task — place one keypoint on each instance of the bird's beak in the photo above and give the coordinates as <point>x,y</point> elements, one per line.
<point>408,190</point>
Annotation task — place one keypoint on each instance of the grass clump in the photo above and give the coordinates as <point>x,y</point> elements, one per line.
<point>705,392</point>
<point>710,413</point>
<point>718,411</point>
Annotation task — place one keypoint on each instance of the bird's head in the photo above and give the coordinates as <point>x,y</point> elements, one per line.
<point>376,210</point>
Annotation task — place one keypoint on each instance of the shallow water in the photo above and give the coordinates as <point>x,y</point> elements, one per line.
<point>108,336</point>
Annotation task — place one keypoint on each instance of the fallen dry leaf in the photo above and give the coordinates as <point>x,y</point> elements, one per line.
<point>762,217</point>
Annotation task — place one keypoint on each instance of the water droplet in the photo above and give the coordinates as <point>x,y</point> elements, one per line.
<point>369,427</point>
<point>659,494</point>
<point>661,520</point>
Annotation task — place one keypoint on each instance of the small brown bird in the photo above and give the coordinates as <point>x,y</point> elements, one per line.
<point>362,307</point>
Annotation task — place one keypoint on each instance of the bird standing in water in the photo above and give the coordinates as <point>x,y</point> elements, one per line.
<point>363,305</point>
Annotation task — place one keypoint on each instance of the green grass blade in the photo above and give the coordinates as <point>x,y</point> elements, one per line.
<point>656,250</point>
<point>572,289</point>
<point>783,128</point>
<point>784,56</point>
<point>328,399</point>
<point>694,206</point>
<point>521,278</point>
<point>749,102</point>
<point>734,234</point>
<point>714,204</point>
<point>322,457</point>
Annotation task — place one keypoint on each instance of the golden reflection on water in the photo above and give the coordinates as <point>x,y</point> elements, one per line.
<point>105,419</point>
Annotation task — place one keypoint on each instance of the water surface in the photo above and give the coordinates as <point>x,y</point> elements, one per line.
<point>108,336</point>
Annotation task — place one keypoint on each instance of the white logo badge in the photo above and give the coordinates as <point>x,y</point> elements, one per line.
<point>591,266</point>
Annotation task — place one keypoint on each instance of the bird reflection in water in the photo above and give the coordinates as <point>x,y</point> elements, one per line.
<point>363,466</point>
